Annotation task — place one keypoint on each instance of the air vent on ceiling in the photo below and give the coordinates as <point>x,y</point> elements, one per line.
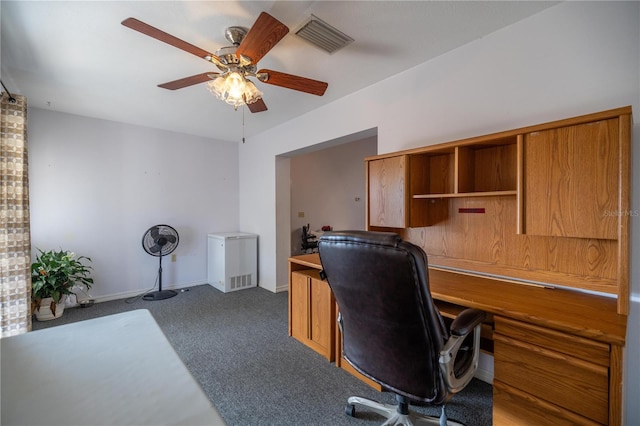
<point>323,35</point>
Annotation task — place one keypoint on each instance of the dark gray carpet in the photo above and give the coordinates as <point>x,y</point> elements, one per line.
<point>237,348</point>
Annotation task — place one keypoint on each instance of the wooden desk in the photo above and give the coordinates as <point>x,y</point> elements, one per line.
<point>558,353</point>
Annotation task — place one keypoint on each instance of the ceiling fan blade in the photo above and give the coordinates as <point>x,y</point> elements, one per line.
<point>147,29</point>
<point>188,81</point>
<point>293,82</point>
<point>257,106</point>
<point>266,32</point>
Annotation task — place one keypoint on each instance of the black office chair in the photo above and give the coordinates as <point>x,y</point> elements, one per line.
<point>309,240</point>
<point>392,332</point>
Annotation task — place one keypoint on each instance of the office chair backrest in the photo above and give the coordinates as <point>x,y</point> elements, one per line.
<point>392,331</point>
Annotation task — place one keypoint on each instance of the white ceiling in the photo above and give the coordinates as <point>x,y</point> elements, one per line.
<point>77,58</point>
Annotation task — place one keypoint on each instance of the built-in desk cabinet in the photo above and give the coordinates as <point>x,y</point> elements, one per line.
<point>547,205</point>
<point>312,311</point>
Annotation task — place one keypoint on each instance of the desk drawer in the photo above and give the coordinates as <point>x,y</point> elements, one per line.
<point>514,407</point>
<point>560,378</point>
<point>574,346</point>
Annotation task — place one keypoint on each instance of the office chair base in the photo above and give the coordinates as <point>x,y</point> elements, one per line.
<point>394,417</point>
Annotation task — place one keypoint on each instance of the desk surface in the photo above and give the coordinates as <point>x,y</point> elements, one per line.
<point>114,370</point>
<point>577,313</point>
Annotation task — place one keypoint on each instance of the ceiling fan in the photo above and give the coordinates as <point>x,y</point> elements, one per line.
<point>237,62</point>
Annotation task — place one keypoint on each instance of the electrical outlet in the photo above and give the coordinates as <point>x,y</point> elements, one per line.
<point>300,214</point>
<point>173,257</point>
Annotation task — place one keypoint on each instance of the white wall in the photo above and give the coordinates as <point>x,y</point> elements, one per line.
<point>574,58</point>
<point>96,186</point>
<point>328,186</point>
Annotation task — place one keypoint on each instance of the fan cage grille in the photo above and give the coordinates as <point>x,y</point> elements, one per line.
<point>148,241</point>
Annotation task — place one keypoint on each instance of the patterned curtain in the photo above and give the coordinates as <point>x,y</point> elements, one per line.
<point>15,239</point>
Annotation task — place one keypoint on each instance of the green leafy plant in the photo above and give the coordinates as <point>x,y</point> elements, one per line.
<point>54,273</point>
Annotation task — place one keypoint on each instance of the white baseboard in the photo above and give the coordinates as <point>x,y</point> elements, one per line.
<point>133,293</point>
<point>282,288</point>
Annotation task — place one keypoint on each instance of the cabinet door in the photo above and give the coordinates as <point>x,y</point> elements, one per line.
<point>388,192</point>
<point>299,305</point>
<point>321,316</point>
<point>571,181</point>
<point>313,312</point>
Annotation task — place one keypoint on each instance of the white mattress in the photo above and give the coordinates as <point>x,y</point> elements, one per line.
<point>114,370</point>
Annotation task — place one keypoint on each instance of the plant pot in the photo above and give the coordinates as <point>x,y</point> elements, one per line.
<point>44,312</point>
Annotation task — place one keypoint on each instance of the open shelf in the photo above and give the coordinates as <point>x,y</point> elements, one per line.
<point>487,167</point>
<point>475,170</point>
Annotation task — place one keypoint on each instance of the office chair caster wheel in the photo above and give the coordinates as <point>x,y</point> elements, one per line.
<point>350,410</point>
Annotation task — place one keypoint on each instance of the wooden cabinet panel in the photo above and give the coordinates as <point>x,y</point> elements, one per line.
<point>321,315</point>
<point>571,180</point>
<point>558,378</point>
<point>387,192</point>
<point>299,305</point>
<point>312,312</point>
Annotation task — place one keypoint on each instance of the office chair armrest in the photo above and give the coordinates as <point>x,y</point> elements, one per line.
<point>469,320</point>
<point>466,320</point>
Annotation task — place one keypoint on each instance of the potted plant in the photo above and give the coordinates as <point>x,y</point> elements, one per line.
<point>53,275</point>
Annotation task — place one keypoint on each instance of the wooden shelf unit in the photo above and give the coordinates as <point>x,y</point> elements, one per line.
<point>545,203</point>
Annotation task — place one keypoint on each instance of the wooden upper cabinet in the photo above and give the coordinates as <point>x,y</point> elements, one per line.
<point>387,192</point>
<point>571,181</point>
<point>547,203</point>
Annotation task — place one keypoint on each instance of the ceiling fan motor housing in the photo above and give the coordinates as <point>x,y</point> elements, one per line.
<point>232,62</point>
<point>235,35</point>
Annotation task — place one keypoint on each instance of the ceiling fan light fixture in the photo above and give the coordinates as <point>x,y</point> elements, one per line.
<point>234,89</point>
<point>251,93</point>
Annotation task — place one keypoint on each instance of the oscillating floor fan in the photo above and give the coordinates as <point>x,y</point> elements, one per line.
<point>160,240</point>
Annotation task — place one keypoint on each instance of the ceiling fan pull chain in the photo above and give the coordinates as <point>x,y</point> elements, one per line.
<point>243,108</point>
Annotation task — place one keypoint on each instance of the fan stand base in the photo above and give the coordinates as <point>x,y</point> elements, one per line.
<point>159,295</point>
